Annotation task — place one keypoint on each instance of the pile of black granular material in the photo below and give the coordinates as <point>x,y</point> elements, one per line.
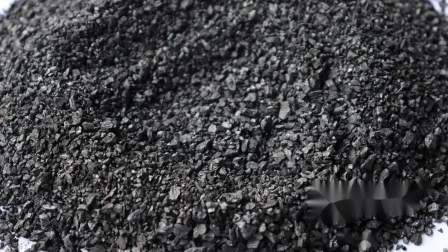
<point>191,125</point>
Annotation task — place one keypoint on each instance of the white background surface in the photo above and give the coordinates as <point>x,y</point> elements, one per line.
<point>435,243</point>
<point>438,7</point>
<point>4,5</point>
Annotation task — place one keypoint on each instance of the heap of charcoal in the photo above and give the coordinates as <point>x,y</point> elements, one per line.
<point>190,125</point>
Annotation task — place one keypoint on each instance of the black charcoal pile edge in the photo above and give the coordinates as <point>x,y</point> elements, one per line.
<point>196,125</point>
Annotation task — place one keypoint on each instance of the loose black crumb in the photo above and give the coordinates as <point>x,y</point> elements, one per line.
<point>399,246</point>
<point>190,125</point>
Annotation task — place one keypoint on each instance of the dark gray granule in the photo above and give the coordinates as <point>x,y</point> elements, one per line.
<point>195,125</point>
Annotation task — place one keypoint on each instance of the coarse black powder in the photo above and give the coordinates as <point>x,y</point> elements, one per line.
<point>196,125</point>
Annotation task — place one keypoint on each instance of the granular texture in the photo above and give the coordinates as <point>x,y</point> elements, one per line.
<point>191,125</point>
